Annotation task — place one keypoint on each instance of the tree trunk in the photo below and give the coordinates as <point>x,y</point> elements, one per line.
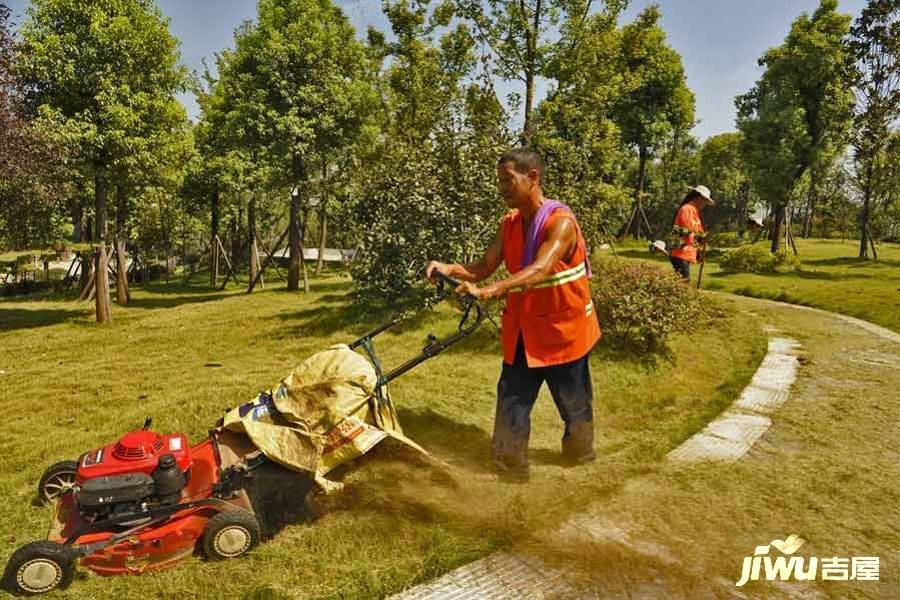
<point>101,296</point>
<point>213,243</point>
<point>295,244</point>
<point>78,224</point>
<point>81,233</point>
<point>742,212</point>
<point>532,31</point>
<point>253,251</point>
<point>236,242</point>
<point>529,103</point>
<point>864,215</point>
<point>323,227</point>
<point>642,167</point>
<point>302,261</point>
<point>183,243</point>
<point>810,205</point>
<point>122,295</point>
<point>778,215</point>
<point>166,222</point>
<point>323,219</point>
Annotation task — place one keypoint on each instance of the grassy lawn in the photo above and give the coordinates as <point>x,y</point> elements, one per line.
<point>831,277</point>
<point>184,354</point>
<point>827,470</point>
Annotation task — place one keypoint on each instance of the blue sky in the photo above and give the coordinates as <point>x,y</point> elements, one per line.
<point>719,40</point>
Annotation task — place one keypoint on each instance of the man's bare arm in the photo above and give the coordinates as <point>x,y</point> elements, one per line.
<point>560,242</point>
<point>474,271</point>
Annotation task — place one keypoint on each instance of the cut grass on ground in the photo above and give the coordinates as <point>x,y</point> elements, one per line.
<point>827,470</point>
<point>183,355</point>
<point>831,277</point>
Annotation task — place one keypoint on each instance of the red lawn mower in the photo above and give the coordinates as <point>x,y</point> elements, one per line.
<point>141,504</point>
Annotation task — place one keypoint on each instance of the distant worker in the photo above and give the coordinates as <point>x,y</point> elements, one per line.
<point>687,230</point>
<point>756,227</point>
<point>548,326</point>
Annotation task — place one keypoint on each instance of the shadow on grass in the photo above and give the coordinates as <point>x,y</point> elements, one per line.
<point>160,295</point>
<point>279,497</point>
<point>853,261</point>
<point>337,312</point>
<point>611,349</point>
<point>325,320</point>
<point>12,319</point>
<point>801,274</point>
<point>776,295</point>
<point>465,445</point>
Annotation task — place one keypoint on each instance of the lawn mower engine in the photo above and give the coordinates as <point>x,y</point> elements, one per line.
<point>141,504</point>
<point>140,471</point>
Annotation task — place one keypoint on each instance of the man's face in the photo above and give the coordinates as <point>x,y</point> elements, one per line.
<point>515,187</point>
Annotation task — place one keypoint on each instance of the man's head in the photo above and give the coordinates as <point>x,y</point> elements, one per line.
<point>520,172</point>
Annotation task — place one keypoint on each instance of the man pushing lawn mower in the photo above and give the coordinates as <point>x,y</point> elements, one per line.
<point>548,325</point>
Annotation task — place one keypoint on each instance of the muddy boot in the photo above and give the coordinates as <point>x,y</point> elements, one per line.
<point>578,444</point>
<point>511,462</point>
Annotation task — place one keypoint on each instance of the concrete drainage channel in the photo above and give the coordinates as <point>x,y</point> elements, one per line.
<point>727,438</point>
<point>735,431</point>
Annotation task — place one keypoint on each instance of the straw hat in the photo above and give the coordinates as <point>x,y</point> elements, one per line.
<point>703,191</point>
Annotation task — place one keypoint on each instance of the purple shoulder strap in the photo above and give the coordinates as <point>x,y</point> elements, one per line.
<point>533,235</point>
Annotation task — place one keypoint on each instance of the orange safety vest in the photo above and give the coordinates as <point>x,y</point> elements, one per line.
<point>555,318</point>
<point>686,220</point>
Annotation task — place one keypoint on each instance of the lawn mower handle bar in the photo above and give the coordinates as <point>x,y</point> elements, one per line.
<point>435,346</point>
<point>467,301</point>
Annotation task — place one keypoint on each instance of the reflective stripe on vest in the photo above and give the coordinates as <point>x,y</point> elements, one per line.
<point>561,278</point>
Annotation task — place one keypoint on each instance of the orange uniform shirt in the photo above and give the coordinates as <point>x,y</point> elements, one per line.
<point>687,224</point>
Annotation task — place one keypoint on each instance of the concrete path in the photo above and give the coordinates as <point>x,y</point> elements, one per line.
<point>731,435</point>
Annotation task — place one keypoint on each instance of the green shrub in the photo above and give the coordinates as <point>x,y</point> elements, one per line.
<point>757,259</point>
<point>787,260</point>
<point>725,239</point>
<point>748,259</point>
<point>640,305</point>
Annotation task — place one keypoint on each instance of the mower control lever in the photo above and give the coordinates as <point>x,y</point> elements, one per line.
<point>445,279</point>
<point>465,299</point>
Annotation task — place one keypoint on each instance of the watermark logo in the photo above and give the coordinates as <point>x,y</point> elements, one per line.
<point>787,567</point>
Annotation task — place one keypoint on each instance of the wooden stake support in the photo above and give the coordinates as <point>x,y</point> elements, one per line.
<point>871,243</point>
<point>269,258</point>
<point>268,253</point>
<point>193,271</point>
<point>231,272</point>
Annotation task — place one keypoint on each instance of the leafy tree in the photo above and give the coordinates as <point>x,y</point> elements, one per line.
<point>519,33</point>
<point>105,71</point>
<point>838,209</point>
<point>299,87</point>
<point>657,102</point>
<point>32,163</point>
<point>799,111</point>
<point>886,187</point>
<point>423,75</point>
<point>576,131</point>
<point>723,170</point>
<point>224,166</point>
<point>669,177</point>
<point>430,188</point>
<point>875,47</point>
